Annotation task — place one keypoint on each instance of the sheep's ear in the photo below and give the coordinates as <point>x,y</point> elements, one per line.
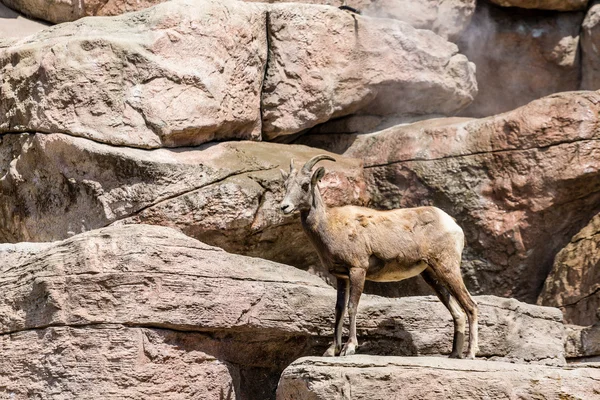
<point>284,174</point>
<point>317,176</point>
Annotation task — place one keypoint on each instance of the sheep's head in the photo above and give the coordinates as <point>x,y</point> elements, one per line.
<point>300,184</point>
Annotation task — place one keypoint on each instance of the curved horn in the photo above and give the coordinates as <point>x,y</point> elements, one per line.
<point>311,163</point>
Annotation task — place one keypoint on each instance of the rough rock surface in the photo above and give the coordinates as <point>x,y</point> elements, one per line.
<point>448,18</point>
<point>374,378</point>
<point>582,343</point>
<point>15,25</point>
<point>325,63</point>
<point>111,361</point>
<point>122,80</point>
<point>520,184</point>
<point>558,5</point>
<point>226,194</point>
<point>155,277</point>
<point>521,56</point>
<point>590,48</point>
<point>573,285</point>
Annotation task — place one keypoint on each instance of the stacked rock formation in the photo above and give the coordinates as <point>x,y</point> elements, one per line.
<point>143,252</point>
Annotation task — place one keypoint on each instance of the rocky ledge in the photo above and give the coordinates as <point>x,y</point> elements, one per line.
<point>373,378</point>
<point>135,309</point>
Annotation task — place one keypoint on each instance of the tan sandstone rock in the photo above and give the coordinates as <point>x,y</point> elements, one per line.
<point>324,64</point>
<point>168,76</point>
<point>573,284</point>
<point>378,378</point>
<point>447,18</point>
<point>520,184</point>
<point>559,5</point>
<point>590,48</point>
<point>227,194</point>
<point>521,55</point>
<point>244,311</point>
<point>111,361</point>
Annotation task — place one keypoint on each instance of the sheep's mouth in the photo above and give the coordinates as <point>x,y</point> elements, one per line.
<point>288,209</point>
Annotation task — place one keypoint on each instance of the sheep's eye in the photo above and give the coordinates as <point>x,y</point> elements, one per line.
<point>305,186</point>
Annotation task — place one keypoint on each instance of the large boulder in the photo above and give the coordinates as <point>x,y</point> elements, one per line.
<point>152,276</point>
<point>590,48</point>
<point>227,194</point>
<point>166,76</point>
<point>324,64</point>
<point>558,5</point>
<point>521,55</point>
<point>447,18</point>
<point>378,378</point>
<point>573,284</point>
<point>244,74</point>
<point>521,184</point>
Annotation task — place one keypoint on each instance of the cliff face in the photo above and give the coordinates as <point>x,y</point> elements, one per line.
<point>142,248</point>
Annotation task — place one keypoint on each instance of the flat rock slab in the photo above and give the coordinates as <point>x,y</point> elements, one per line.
<point>150,276</point>
<point>182,73</point>
<point>53,186</point>
<point>383,378</point>
<point>325,64</point>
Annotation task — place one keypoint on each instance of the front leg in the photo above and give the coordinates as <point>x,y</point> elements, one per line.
<point>340,310</point>
<point>357,283</point>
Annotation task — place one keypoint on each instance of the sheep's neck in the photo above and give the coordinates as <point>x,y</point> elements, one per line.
<point>314,219</point>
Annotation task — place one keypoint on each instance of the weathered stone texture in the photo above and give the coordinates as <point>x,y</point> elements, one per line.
<point>227,194</point>
<point>325,63</point>
<point>378,378</point>
<point>111,361</point>
<point>149,276</point>
<point>573,284</point>
<point>521,56</point>
<point>583,342</point>
<point>590,48</point>
<point>521,184</point>
<point>448,18</point>
<point>166,76</point>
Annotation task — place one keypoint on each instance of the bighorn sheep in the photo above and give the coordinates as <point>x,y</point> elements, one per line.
<point>358,244</point>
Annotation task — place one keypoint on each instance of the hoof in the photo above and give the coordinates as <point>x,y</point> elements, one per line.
<point>332,351</point>
<point>455,355</point>
<point>349,349</point>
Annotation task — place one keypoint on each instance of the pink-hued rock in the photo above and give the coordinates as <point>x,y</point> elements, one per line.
<point>521,55</point>
<point>520,184</point>
<point>448,18</point>
<point>325,63</point>
<point>182,73</point>
<point>573,284</point>
<point>590,48</point>
<point>558,5</point>
<point>111,361</point>
<point>226,194</point>
<point>403,378</point>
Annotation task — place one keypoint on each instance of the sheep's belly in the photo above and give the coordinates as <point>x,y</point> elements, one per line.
<point>392,272</point>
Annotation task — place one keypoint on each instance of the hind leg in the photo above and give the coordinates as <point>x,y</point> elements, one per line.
<point>456,311</point>
<point>452,280</point>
